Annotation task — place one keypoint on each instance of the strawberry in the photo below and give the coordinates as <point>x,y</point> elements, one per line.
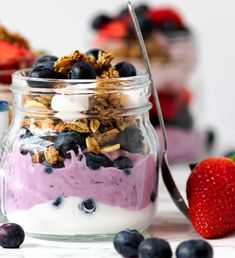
<point>115,29</point>
<point>211,197</point>
<point>160,15</point>
<point>12,56</point>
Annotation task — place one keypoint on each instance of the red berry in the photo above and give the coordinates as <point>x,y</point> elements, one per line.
<point>115,29</point>
<point>211,196</point>
<point>13,56</point>
<point>160,15</point>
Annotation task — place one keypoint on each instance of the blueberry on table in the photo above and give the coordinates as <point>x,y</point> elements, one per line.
<point>100,20</point>
<point>95,161</point>
<point>122,163</point>
<point>155,247</point>
<point>11,235</point>
<point>125,69</point>
<point>67,141</point>
<point>194,248</point>
<point>127,242</point>
<point>82,70</point>
<point>130,139</point>
<point>88,206</point>
<point>94,52</point>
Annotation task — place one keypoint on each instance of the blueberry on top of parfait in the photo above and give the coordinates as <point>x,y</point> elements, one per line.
<point>125,69</point>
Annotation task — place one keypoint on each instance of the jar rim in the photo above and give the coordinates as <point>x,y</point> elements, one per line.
<point>22,75</point>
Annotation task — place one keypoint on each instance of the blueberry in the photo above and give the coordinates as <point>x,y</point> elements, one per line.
<point>48,170</point>
<point>67,141</point>
<point>127,172</point>
<point>46,64</point>
<point>127,242</point>
<point>155,247</point>
<point>43,59</point>
<point>88,206</point>
<point>146,26</point>
<point>100,20</point>
<point>44,72</point>
<point>194,249</point>
<point>94,52</point>
<point>11,235</point>
<point>122,163</point>
<point>125,69</point>
<point>130,139</point>
<point>57,202</point>
<point>95,161</point>
<point>168,26</point>
<point>141,9</point>
<point>82,70</point>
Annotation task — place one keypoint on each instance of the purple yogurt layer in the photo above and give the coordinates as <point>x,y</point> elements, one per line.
<point>28,184</point>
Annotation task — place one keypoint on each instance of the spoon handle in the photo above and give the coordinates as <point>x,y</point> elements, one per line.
<point>166,173</point>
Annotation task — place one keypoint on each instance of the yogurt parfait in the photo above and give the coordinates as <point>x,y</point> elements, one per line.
<point>80,158</point>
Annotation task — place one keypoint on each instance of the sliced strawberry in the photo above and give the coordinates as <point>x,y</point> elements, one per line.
<point>13,56</point>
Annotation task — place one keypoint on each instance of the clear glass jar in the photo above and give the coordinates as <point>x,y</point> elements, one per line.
<point>80,158</point>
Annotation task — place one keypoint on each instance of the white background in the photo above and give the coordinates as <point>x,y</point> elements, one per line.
<point>62,26</point>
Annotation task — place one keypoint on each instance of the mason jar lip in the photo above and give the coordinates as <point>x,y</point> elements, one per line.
<point>19,75</point>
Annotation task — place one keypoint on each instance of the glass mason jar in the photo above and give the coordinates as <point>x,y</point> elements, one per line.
<point>80,158</point>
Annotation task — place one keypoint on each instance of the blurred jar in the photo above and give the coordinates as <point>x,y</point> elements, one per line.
<point>172,49</point>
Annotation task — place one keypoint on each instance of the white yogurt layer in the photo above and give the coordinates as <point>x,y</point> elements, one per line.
<point>68,219</point>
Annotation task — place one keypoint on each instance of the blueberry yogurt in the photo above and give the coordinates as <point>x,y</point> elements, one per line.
<point>80,158</point>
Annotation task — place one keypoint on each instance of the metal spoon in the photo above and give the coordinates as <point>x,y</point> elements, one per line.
<point>166,173</point>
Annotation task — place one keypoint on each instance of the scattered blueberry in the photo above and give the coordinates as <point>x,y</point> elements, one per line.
<point>43,59</point>
<point>155,247</point>
<point>194,249</point>
<point>95,161</point>
<point>125,69</point>
<point>58,201</point>
<point>127,242</point>
<point>153,196</point>
<point>122,163</point>
<point>82,70</point>
<point>100,20</point>
<point>94,52</point>
<point>11,235</point>
<point>127,172</point>
<point>130,139</point>
<point>88,206</point>
<point>67,141</point>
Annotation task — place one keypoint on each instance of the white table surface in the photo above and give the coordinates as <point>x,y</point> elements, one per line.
<point>169,224</point>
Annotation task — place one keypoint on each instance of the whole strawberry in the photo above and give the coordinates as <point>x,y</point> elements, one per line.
<point>211,197</point>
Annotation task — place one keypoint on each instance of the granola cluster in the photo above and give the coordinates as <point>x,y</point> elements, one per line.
<point>14,38</point>
<point>102,64</point>
<point>101,123</point>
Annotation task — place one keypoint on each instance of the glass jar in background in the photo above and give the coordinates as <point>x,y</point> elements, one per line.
<point>172,49</point>
<point>80,158</point>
